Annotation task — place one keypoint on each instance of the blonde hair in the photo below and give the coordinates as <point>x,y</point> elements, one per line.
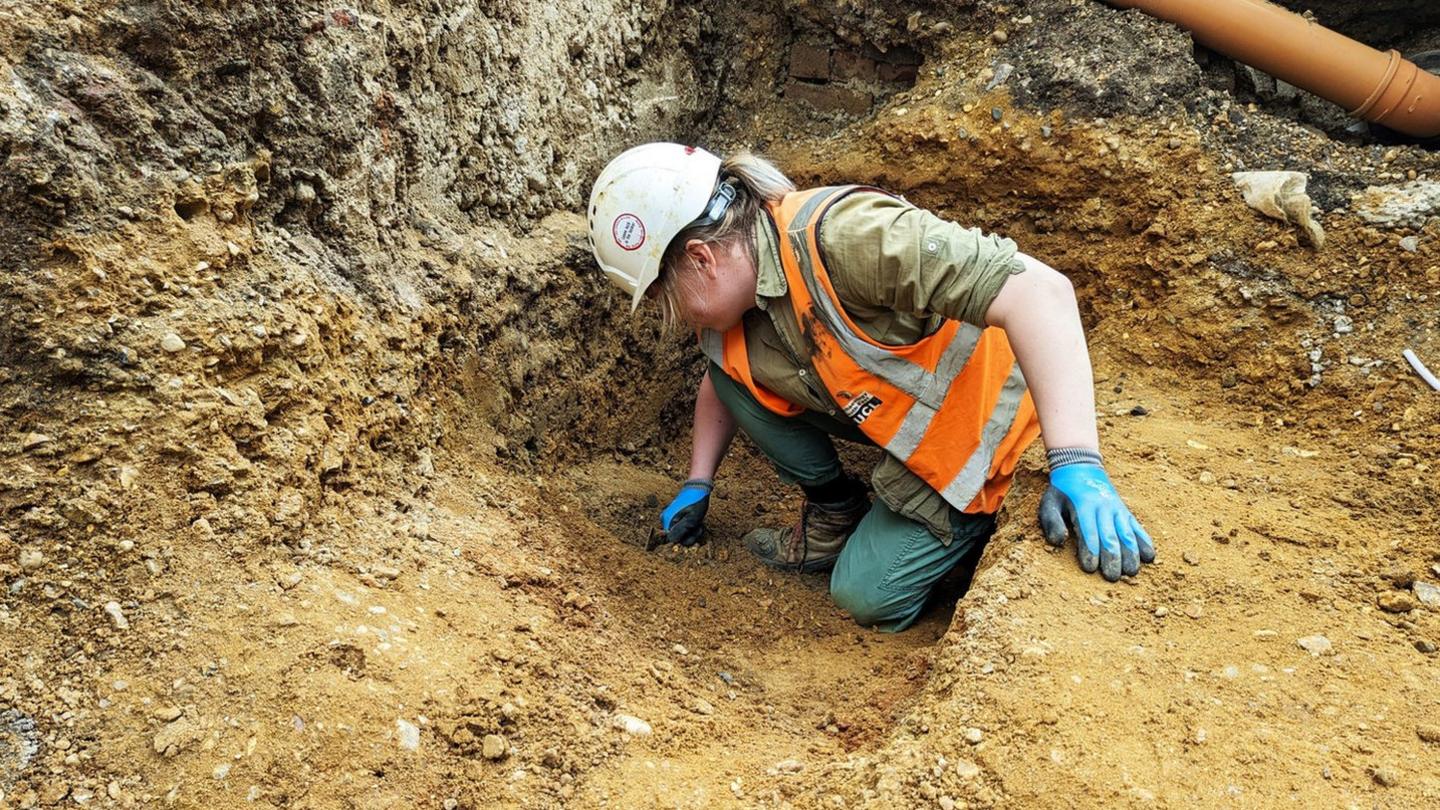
<point>757,182</point>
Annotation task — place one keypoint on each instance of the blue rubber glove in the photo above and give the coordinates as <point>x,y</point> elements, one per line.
<point>684,519</point>
<point>1108,536</point>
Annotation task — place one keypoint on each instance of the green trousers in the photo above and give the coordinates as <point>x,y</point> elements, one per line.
<point>890,565</point>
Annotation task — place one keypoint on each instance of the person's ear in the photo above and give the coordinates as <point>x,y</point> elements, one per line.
<point>702,256</point>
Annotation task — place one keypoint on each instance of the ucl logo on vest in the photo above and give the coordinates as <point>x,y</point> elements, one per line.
<point>862,406</point>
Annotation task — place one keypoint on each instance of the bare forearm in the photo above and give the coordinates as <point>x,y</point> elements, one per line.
<point>714,428</point>
<point>1038,312</point>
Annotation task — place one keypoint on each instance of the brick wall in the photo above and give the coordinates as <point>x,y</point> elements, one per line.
<point>832,78</point>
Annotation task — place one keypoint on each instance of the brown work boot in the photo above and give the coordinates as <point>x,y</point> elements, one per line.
<point>814,543</point>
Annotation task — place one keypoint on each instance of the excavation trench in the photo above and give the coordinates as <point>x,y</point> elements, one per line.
<point>334,456</point>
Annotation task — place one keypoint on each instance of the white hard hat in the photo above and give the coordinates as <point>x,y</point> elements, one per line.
<point>640,201</point>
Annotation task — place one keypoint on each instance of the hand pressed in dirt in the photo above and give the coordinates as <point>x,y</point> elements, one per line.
<point>1108,536</point>
<point>684,519</point>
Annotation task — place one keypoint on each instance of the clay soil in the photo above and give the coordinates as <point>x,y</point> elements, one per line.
<point>375,535</point>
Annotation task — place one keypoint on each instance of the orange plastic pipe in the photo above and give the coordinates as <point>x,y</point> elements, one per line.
<point>1381,87</point>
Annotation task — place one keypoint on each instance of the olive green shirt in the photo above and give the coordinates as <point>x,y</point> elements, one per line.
<point>899,272</point>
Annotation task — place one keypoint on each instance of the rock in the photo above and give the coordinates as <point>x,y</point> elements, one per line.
<point>1191,558</point>
<point>1398,576</point>
<point>176,736</point>
<point>172,343</point>
<point>494,747</point>
<point>1401,206</point>
<point>788,766</point>
<point>1194,610</point>
<point>701,706</point>
<point>34,440</point>
<point>54,792</point>
<point>117,618</point>
<point>167,713</point>
<point>1139,410</point>
<point>30,559</point>
<point>1161,612</point>
<point>408,734</point>
<point>631,725</point>
<point>221,771</point>
<point>1425,646</point>
<point>1385,775</point>
<point>965,769</point>
<point>1343,325</point>
<point>1315,645</point>
<point>1410,244</point>
<point>1427,593</point>
<point>1206,477</point>
<point>974,735</point>
<point>1428,733</point>
<point>1395,602</point>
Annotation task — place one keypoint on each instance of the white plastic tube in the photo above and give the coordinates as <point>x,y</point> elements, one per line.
<point>1425,373</point>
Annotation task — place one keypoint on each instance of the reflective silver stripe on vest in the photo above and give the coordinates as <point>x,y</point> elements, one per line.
<point>972,477</point>
<point>929,390</point>
<point>909,377</point>
<point>712,343</point>
<point>918,419</point>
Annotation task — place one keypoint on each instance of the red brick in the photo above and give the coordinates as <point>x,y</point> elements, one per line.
<point>829,97</point>
<point>809,62</point>
<point>853,66</point>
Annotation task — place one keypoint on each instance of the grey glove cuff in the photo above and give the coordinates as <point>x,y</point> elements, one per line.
<point>1065,456</point>
<point>708,484</point>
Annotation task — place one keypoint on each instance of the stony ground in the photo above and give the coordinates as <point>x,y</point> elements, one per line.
<point>330,460</point>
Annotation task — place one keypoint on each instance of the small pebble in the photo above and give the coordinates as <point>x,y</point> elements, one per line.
<point>1385,776</point>
<point>1315,645</point>
<point>494,747</point>
<point>112,609</point>
<point>1427,593</point>
<point>1428,733</point>
<point>1395,602</point>
<point>631,724</point>
<point>1410,244</point>
<point>30,559</point>
<point>408,733</point>
<point>974,735</point>
<point>172,343</point>
<point>997,113</point>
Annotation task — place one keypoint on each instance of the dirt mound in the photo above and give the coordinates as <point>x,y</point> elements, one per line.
<point>331,457</point>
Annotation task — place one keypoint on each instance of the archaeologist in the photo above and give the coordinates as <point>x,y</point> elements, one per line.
<point>847,312</point>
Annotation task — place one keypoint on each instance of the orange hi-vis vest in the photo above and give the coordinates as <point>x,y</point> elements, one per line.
<point>952,407</point>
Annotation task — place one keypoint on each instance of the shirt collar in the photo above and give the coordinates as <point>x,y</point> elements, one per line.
<point>769,276</point>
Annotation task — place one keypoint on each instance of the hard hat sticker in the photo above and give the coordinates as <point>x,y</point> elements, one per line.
<point>629,231</point>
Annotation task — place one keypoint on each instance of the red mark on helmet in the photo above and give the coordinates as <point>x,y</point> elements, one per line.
<point>689,150</point>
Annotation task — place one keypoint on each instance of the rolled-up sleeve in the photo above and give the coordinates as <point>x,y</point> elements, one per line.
<point>884,253</point>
